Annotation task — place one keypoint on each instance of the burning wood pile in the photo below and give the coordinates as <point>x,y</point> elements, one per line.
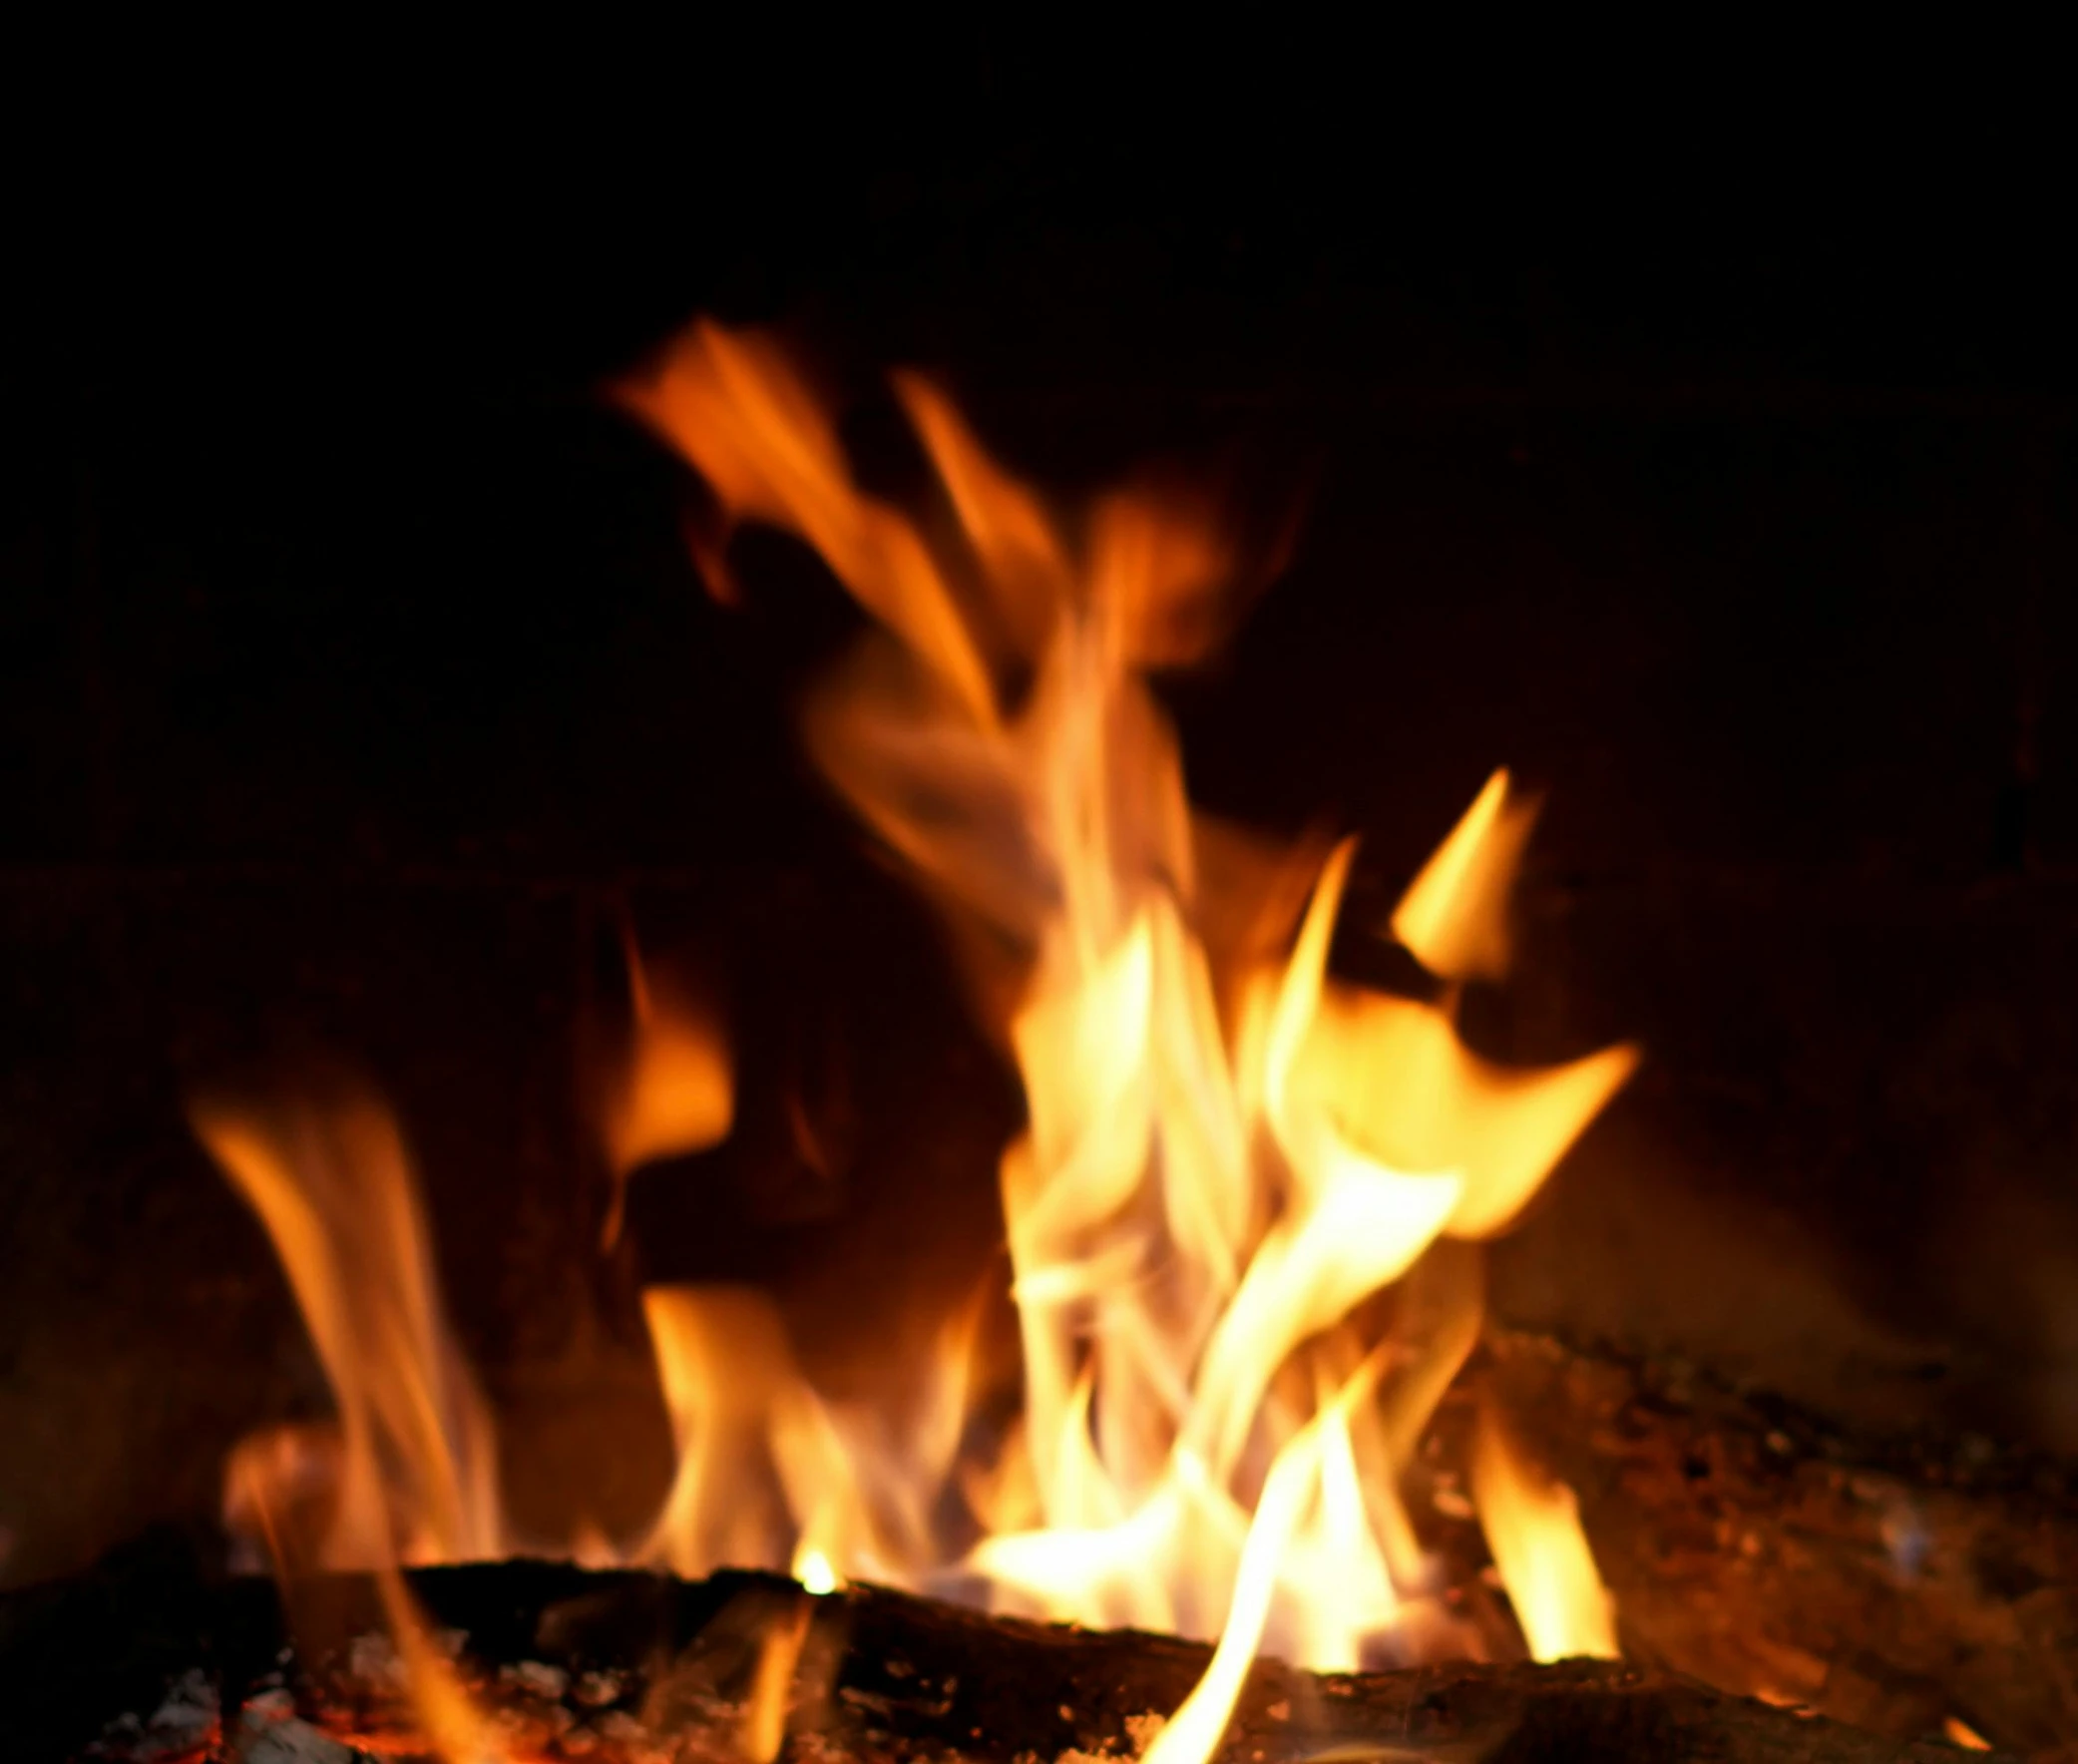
<point>612,1666</point>
<point>1242,1225</point>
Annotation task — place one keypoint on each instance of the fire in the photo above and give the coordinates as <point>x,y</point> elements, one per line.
<point>411,1464</point>
<point>765,1716</point>
<point>673,1092</point>
<point>1239,1220</point>
<point>1221,1165</point>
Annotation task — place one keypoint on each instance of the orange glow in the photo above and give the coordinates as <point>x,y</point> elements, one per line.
<point>1242,1216</point>
<point>812,1569</point>
<point>1961,1733</point>
<point>1533,1527</point>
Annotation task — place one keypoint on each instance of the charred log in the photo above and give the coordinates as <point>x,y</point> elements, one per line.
<point>1749,1546</point>
<point>625,1664</point>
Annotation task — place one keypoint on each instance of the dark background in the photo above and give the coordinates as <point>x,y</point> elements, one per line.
<point>355,693</point>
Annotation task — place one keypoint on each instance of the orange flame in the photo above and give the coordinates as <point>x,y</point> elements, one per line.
<point>1959,1732</point>
<point>766,1711</point>
<point>412,1468</point>
<point>1199,1205</point>
<point>413,1465</point>
<point>673,1092</point>
<point>1533,1525</point>
<point>1229,1154</point>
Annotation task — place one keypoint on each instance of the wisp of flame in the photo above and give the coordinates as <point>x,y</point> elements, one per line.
<point>1228,1155</point>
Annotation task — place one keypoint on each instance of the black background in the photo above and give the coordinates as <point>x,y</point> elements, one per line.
<point>355,690</point>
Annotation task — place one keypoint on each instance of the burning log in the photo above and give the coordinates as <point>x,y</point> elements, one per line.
<point>1759,1550</point>
<point>626,1665</point>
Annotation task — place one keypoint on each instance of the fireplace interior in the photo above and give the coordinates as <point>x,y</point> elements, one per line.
<point>371,723</point>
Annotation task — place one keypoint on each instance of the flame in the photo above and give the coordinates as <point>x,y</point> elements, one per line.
<point>412,1462</point>
<point>447,1716</point>
<point>1533,1527</point>
<point>1242,1218</point>
<point>1454,916</point>
<point>812,1569</point>
<point>411,1466</point>
<point>769,1474</point>
<point>673,1092</point>
<point>1207,1194</point>
<point>765,1710</point>
<point>724,1361</point>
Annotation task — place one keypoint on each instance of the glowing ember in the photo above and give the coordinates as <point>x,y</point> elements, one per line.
<point>1229,1153</point>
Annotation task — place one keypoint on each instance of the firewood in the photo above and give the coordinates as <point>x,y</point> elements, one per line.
<point>1753,1546</point>
<point>624,1664</point>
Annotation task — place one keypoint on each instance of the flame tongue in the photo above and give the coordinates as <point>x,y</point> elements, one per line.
<point>1229,1154</point>
<point>411,1468</point>
<point>413,1464</point>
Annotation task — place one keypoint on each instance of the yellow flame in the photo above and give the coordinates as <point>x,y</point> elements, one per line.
<point>1533,1527</point>
<point>1240,1217</point>
<point>1200,1204</point>
<point>812,1569</point>
<point>1192,1733</point>
<point>763,1730</point>
<point>1454,916</point>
